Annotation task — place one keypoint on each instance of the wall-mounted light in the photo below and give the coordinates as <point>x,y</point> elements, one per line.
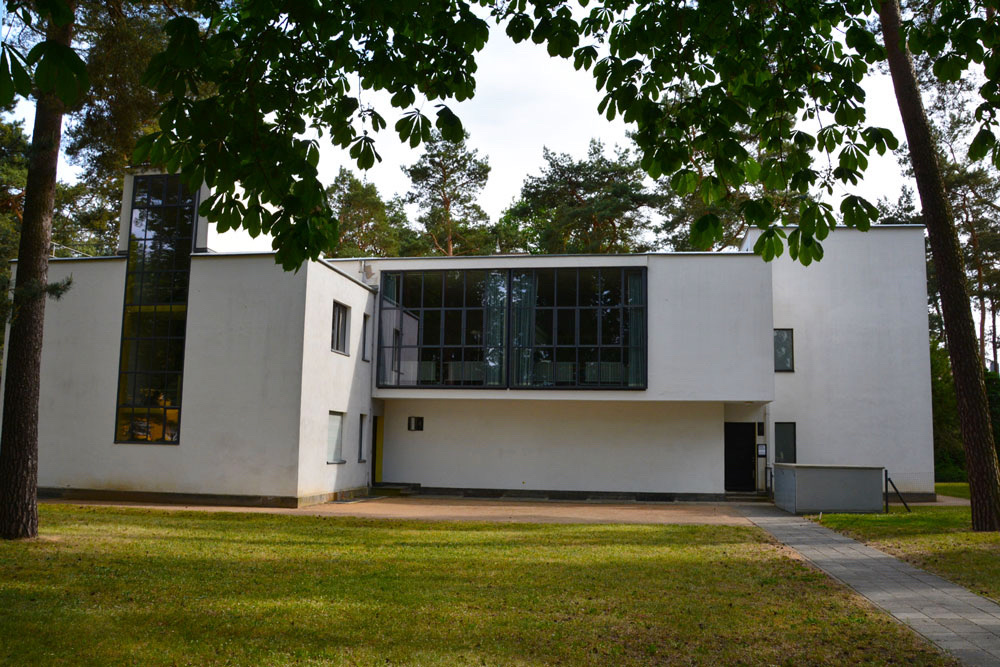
<point>414,423</point>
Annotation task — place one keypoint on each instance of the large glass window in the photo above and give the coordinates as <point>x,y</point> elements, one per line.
<point>155,310</point>
<point>568,328</point>
<point>578,328</point>
<point>443,328</point>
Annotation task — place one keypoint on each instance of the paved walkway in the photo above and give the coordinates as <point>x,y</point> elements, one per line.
<point>503,511</point>
<point>956,620</point>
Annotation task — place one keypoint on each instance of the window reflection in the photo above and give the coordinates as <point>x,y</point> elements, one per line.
<point>568,327</point>
<point>155,310</point>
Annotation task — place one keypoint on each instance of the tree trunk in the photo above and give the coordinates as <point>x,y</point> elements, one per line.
<point>19,441</point>
<point>966,364</point>
<point>993,314</point>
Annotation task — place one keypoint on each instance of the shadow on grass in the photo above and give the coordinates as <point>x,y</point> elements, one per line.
<point>162,587</point>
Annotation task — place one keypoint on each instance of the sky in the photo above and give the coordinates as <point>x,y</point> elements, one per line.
<point>525,101</point>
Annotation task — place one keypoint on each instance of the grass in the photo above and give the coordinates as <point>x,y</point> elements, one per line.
<point>954,489</point>
<point>109,586</point>
<point>938,539</point>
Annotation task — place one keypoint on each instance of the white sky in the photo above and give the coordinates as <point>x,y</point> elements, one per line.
<point>526,100</point>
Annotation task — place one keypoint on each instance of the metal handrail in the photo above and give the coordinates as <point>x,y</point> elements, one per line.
<point>888,482</point>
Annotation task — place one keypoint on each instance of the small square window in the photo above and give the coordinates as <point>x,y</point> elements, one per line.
<point>341,315</point>
<point>361,439</point>
<point>335,438</point>
<point>784,352</point>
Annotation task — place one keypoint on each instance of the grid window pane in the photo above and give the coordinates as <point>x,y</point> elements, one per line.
<point>154,314</point>
<point>568,328</point>
<point>335,438</point>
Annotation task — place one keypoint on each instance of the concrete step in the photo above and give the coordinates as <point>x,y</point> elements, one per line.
<point>746,497</point>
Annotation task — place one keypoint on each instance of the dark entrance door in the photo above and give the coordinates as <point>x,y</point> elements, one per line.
<point>741,456</point>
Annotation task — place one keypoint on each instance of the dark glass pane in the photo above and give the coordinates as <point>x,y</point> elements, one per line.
<point>173,186</point>
<point>451,369</point>
<point>432,289</point>
<point>408,363</point>
<point>634,288</point>
<point>138,230</point>
<point>172,389</point>
<point>453,288</point>
<point>611,320</point>
<point>452,327</point>
<point>590,280</point>
<point>495,366</point>
<point>412,286</point>
<point>564,371</point>
<point>566,287</point>
<point>543,327</point>
<point>130,355</point>
<point>522,289</point>
<point>611,287</point>
<point>188,197</point>
<point>171,425</point>
<point>177,321</point>
<point>543,359</point>
<point>588,367</point>
<point>390,289</point>
<point>566,322</point>
<point>156,190</point>
<point>612,372</point>
<point>588,326</point>
<point>430,366</point>
<point>174,354</point>
<point>124,389</point>
<point>784,442</point>
<point>140,192</point>
<point>432,327</point>
<point>475,288</point>
<point>545,284</point>
<point>474,369</point>
<point>473,327</point>
<point>783,350</point>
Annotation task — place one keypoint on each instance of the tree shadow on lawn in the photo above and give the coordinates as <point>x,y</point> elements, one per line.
<point>206,588</point>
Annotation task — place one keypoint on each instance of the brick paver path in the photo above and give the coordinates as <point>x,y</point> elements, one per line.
<point>955,619</point>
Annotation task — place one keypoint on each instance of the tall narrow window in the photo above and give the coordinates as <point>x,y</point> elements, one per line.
<point>365,328</point>
<point>784,442</point>
<point>155,310</point>
<point>361,438</point>
<point>338,341</point>
<point>784,352</point>
<point>335,438</point>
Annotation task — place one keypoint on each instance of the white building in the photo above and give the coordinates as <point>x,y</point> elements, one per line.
<point>222,378</point>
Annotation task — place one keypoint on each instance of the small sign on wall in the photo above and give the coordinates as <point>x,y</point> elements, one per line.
<point>761,450</point>
<point>414,423</point>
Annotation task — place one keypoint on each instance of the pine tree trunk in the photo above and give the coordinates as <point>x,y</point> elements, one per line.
<point>993,314</point>
<point>19,443</point>
<point>966,364</point>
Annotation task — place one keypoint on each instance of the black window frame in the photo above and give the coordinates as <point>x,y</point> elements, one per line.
<point>387,374</point>
<point>340,333</point>
<point>361,438</point>
<point>795,453</point>
<point>365,328</point>
<point>169,197</point>
<point>791,351</point>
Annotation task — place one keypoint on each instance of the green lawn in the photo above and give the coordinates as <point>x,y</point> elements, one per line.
<point>126,586</point>
<point>955,489</point>
<point>938,539</point>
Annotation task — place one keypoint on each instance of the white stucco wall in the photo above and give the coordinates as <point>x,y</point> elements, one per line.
<point>242,377</point>
<point>709,325</point>
<point>576,445</point>
<point>332,381</point>
<point>860,393</point>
